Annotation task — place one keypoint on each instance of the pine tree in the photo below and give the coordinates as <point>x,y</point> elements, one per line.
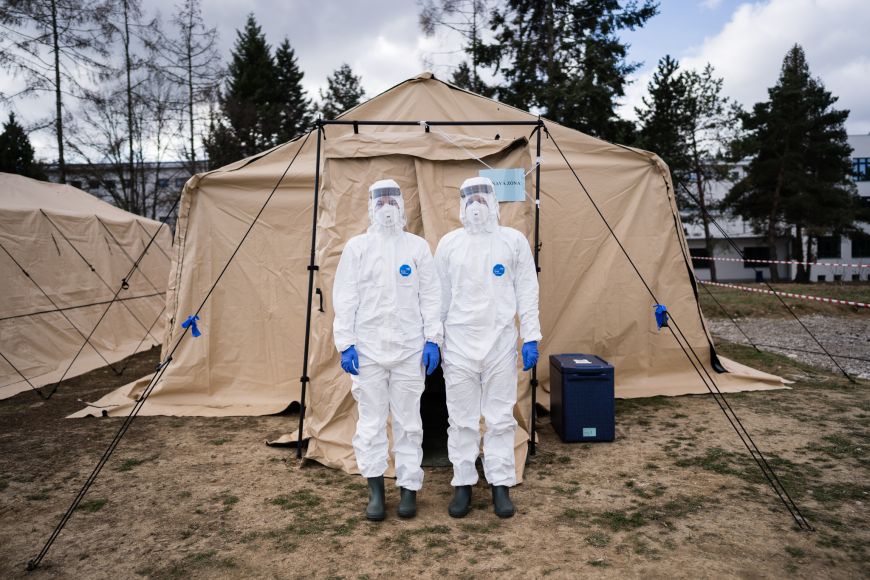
<point>664,119</point>
<point>295,108</point>
<point>16,152</point>
<point>250,103</point>
<point>798,176</point>
<point>344,92</point>
<point>565,58</point>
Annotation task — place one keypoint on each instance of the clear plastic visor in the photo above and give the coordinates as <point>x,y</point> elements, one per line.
<point>480,188</point>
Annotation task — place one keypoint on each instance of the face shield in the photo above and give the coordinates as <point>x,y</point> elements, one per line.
<point>478,206</point>
<point>386,207</point>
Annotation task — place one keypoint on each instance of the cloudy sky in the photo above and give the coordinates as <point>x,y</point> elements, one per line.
<point>381,40</point>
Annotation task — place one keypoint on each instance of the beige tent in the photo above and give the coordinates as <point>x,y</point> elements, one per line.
<point>249,360</point>
<point>75,250</point>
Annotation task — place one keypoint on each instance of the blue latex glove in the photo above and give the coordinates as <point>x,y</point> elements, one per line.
<point>530,354</point>
<point>350,361</point>
<point>431,357</point>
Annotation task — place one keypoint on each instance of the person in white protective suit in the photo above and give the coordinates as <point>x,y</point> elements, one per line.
<point>488,277</point>
<point>388,329</point>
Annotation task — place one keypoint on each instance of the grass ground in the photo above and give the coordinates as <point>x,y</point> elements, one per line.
<point>740,303</point>
<point>674,496</point>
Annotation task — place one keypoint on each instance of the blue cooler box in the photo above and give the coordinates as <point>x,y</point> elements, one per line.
<point>581,397</point>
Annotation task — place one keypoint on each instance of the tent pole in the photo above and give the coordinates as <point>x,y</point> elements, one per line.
<point>534,382</point>
<point>318,126</point>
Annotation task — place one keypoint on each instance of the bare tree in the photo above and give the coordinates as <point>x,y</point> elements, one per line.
<point>468,18</point>
<point>57,46</point>
<point>189,59</point>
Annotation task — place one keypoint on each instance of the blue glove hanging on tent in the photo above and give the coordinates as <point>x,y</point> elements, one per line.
<point>661,315</point>
<point>431,357</point>
<point>530,354</point>
<point>191,322</point>
<point>350,360</point>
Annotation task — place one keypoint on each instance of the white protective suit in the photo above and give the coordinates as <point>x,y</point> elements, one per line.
<point>487,278</point>
<point>387,304</point>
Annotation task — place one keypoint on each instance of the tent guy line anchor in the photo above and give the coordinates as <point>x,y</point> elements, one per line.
<point>718,395</point>
<point>161,368</point>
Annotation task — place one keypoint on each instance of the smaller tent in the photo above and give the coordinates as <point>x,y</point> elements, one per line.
<point>63,255</point>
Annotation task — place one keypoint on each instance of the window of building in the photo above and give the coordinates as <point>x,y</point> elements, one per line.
<point>865,201</point>
<point>76,183</point>
<point>860,245</point>
<point>828,247</point>
<point>93,184</point>
<point>180,181</point>
<point>856,277</point>
<point>821,278</point>
<point>861,168</point>
<point>755,253</point>
<point>838,277</point>
<point>163,183</point>
<point>699,253</point>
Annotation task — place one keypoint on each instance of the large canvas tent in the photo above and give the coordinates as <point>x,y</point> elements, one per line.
<point>249,359</point>
<point>63,256</point>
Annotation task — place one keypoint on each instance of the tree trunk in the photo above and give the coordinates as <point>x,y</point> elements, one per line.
<point>61,164</point>
<point>189,46</point>
<point>803,274</point>
<point>771,223</point>
<point>137,207</point>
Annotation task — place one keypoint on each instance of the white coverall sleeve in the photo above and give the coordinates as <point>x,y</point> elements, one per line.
<point>345,298</point>
<point>441,267</point>
<point>526,289</point>
<point>430,296</point>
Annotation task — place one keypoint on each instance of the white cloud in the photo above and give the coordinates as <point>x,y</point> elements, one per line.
<point>749,49</point>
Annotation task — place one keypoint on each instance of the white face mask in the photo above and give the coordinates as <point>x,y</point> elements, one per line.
<point>387,216</point>
<point>477,213</point>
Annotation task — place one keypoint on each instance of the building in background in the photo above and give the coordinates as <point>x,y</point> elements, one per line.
<point>833,249</point>
<point>163,183</point>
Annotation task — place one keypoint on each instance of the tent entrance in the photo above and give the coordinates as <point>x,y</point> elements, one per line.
<point>433,411</point>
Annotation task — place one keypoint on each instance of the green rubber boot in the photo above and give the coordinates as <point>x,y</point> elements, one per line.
<point>501,501</point>
<point>407,503</point>
<point>376,510</point>
<point>461,503</point>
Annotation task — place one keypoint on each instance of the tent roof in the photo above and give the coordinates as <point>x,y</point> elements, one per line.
<point>23,194</point>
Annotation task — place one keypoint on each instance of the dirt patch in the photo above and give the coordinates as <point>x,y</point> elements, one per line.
<point>675,495</point>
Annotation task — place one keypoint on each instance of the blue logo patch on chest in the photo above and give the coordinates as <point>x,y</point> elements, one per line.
<point>498,270</point>
<point>405,270</point>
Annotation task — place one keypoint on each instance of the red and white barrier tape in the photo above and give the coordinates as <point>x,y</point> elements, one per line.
<point>788,294</point>
<point>749,260</point>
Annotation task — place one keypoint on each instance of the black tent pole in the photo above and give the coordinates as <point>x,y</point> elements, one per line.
<point>318,126</point>
<point>534,381</point>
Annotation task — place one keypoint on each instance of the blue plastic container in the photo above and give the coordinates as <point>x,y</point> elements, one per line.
<point>581,398</point>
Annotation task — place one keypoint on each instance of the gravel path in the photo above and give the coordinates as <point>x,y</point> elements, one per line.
<point>840,336</point>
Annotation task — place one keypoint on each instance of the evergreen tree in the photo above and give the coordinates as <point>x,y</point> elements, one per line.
<point>344,92</point>
<point>565,58</point>
<point>296,111</point>
<point>250,103</point>
<point>798,176</point>
<point>464,78</point>
<point>689,123</point>
<point>16,152</point>
<point>664,119</point>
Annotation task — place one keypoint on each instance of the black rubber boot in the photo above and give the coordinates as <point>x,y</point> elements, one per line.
<point>376,510</point>
<point>461,503</point>
<point>501,501</point>
<point>407,503</point>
